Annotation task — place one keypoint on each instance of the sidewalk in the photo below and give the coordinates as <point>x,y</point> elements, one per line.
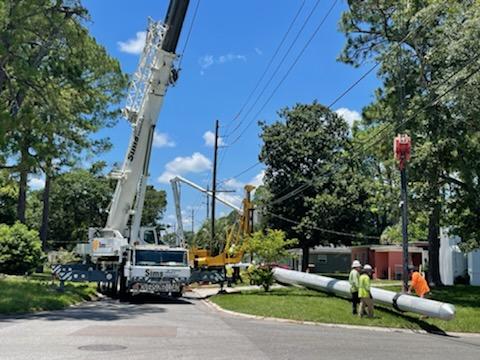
<point>205,292</point>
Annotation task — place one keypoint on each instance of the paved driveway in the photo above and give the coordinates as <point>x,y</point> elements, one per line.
<point>191,330</point>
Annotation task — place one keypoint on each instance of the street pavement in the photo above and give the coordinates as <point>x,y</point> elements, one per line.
<point>189,329</point>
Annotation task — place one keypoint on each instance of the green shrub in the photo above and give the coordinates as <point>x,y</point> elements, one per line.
<point>262,277</point>
<point>20,249</point>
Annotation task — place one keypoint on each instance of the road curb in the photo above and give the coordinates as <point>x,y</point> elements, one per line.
<point>216,307</point>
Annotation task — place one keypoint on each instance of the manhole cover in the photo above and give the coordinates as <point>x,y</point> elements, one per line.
<point>102,347</point>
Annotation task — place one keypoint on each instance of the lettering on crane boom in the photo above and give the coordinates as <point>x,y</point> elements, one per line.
<point>131,154</point>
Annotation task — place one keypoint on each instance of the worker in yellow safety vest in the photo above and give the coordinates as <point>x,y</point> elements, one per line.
<point>229,274</point>
<point>366,301</point>
<point>353,280</point>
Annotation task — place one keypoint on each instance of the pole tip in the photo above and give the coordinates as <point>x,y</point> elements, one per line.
<point>447,312</point>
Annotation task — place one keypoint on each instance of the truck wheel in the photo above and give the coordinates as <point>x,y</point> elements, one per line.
<point>121,286</point>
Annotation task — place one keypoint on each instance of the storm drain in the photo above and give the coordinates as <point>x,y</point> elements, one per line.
<point>102,347</point>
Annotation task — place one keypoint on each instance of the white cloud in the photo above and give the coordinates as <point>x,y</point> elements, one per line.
<point>207,61</point>
<point>258,179</point>
<point>196,163</point>
<point>234,184</point>
<point>233,199</point>
<point>350,116</point>
<point>258,51</point>
<point>209,138</point>
<point>162,140</point>
<point>135,45</point>
<point>36,183</point>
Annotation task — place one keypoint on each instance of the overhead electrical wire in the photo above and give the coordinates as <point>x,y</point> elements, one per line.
<point>363,76</point>
<point>289,70</point>
<point>267,68</point>
<point>367,145</point>
<point>328,231</point>
<point>189,33</point>
<point>450,89</point>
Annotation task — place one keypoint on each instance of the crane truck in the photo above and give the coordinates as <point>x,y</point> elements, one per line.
<point>206,265</point>
<point>123,256</point>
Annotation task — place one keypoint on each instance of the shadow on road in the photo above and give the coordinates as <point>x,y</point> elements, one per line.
<point>104,310</point>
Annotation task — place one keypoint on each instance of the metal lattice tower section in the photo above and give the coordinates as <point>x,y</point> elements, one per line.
<point>139,85</point>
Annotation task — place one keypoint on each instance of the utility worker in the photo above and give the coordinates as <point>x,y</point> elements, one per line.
<point>250,270</point>
<point>353,280</point>
<point>419,284</point>
<point>229,274</point>
<point>366,300</point>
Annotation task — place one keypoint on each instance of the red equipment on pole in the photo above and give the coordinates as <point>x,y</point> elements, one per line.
<point>401,147</point>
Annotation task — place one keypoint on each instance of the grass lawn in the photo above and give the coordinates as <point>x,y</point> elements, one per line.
<point>308,305</point>
<point>21,295</point>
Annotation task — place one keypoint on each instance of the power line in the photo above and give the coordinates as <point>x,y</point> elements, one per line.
<point>328,231</point>
<point>299,32</point>
<point>310,183</point>
<point>367,145</point>
<point>352,86</point>
<point>306,185</point>
<point>317,29</point>
<point>188,34</point>
<point>272,58</point>
<point>242,172</point>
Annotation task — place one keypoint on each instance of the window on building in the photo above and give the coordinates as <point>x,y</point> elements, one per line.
<point>322,259</point>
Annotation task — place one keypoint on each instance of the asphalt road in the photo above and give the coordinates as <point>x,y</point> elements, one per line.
<point>191,330</point>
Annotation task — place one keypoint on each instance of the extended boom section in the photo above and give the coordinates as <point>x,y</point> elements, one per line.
<point>399,301</point>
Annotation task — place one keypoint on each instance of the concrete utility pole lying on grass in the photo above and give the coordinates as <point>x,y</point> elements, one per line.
<point>398,301</point>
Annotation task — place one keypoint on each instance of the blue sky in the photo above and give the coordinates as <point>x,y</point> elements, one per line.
<point>230,46</point>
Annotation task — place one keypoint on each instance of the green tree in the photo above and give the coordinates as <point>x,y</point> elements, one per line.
<point>155,205</point>
<point>309,149</point>
<point>57,86</point>
<point>20,249</point>
<point>203,237</point>
<point>91,193</point>
<point>8,197</point>
<point>425,48</point>
<point>270,247</point>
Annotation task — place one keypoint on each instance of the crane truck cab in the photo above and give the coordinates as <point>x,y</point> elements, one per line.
<point>156,269</point>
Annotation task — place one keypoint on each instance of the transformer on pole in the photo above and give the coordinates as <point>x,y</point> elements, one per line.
<point>401,148</point>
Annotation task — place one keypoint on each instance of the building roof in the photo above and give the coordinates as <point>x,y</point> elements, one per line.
<point>389,248</point>
<point>324,250</point>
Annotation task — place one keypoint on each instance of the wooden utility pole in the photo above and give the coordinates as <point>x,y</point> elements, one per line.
<point>193,222</point>
<point>401,148</point>
<point>214,185</point>
<point>208,201</point>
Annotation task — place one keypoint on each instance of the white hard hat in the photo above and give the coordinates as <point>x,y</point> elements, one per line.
<point>356,264</point>
<point>367,267</point>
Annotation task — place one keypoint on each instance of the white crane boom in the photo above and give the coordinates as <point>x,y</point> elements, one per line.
<point>155,73</point>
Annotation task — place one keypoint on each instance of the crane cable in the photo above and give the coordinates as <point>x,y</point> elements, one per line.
<point>189,33</point>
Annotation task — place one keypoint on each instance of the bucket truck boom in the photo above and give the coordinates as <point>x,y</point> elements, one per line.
<point>207,266</point>
<point>123,253</point>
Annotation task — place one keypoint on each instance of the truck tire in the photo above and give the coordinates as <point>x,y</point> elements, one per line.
<point>121,286</point>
